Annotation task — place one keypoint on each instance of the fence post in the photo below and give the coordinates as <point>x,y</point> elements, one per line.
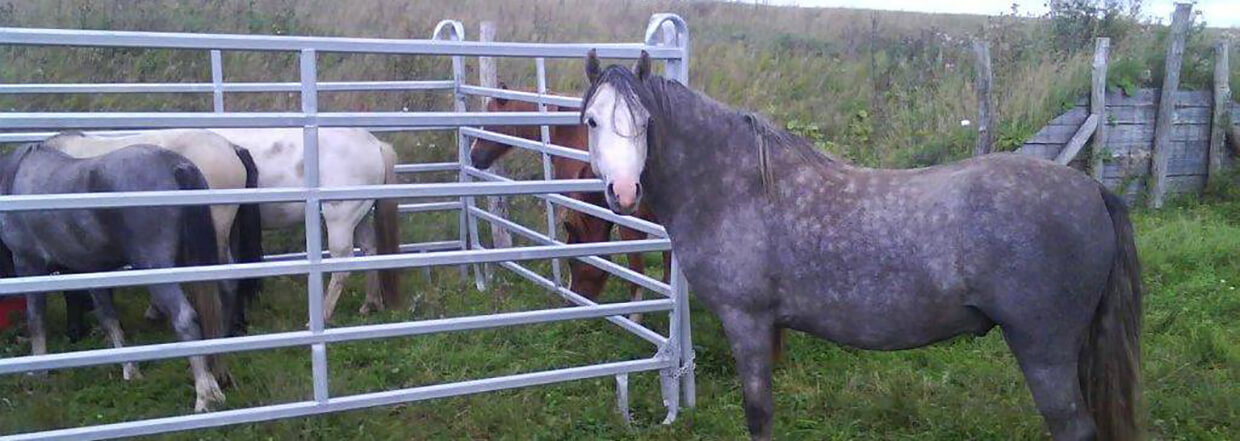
<point>1222,113</point>
<point>985,104</point>
<point>217,81</point>
<point>314,223</point>
<point>1166,104</point>
<point>1098,106</point>
<point>498,205</point>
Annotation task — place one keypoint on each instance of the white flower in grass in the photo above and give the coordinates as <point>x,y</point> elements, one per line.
<point>965,123</point>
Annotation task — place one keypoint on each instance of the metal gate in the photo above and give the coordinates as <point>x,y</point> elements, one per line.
<point>666,39</point>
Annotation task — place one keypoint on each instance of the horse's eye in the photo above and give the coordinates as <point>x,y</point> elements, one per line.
<point>590,122</point>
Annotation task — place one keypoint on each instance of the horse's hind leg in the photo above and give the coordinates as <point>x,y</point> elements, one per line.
<point>341,219</point>
<point>1050,368</point>
<point>364,236</point>
<point>170,300</point>
<point>105,310</point>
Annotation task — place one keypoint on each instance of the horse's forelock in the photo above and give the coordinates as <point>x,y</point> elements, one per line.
<point>628,88</point>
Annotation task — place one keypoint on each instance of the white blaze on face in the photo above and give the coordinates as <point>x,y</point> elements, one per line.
<point>617,144</point>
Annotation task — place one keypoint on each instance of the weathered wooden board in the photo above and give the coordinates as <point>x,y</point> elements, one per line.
<point>1130,122</point>
<point>1118,116</point>
<point>1134,187</point>
<point>1149,97</point>
<point>1124,134</point>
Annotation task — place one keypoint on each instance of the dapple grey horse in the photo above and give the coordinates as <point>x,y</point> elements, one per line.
<point>774,234</point>
<point>41,242</point>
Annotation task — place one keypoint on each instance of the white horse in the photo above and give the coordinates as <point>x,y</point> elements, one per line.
<point>347,157</point>
<point>238,229</point>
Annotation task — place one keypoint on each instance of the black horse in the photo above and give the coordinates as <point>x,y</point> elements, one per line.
<point>91,240</point>
<point>774,234</point>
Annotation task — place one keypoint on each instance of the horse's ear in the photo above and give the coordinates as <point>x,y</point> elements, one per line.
<point>642,69</point>
<point>593,71</point>
<point>502,101</point>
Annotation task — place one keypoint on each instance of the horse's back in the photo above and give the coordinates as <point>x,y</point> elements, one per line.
<point>211,153</point>
<point>347,156</point>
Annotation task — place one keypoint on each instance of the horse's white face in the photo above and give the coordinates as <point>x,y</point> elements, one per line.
<point>617,146</point>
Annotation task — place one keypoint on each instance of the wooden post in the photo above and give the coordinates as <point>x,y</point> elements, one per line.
<point>1098,105</point>
<point>985,106</point>
<point>488,77</point>
<point>1222,117</point>
<point>1166,105</point>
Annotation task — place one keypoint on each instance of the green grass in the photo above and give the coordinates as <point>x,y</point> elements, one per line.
<point>968,388</point>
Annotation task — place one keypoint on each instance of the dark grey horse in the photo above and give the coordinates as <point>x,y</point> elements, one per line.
<point>78,241</point>
<point>773,234</point>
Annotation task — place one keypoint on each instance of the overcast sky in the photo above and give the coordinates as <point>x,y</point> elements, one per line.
<point>1220,13</point>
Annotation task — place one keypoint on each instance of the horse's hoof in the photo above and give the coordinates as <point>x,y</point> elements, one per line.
<point>130,372</point>
<point>636,318</point>
<point>209,395</point>
<point>37,375</point>
<point>152,314</point>
<point>369,307</point>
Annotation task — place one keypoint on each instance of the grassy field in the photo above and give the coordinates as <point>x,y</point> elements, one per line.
<point>965,389</point>
<point>880,88</point>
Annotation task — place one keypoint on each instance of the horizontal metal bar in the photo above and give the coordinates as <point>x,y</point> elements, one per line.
<point>428,167</point>
<point>342,86</point>
<point>590,209</point>
<point>129,120</point>
<point>420,247</point>
<point>428,206</point>
<point>71,282</point>
<point>329,86</point>
<point>267,195</point>
<point>40,136</point>
<point>601,263</point>
<point>333,335</point>
<point>624,322</point>
<point>515,141</point>
<point>170,40</point>
<point>339,404</point>
<point>517,95</point>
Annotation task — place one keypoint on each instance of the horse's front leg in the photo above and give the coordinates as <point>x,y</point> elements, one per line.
<point>36,309</point>
<point>77,303</point>
<point>637,262</point>
<point>749,335</point>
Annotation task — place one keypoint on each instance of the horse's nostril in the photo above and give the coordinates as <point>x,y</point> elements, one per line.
<point>611,189</point>
<point>638,190</point>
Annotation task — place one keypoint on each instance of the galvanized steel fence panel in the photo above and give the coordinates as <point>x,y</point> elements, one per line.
<point>666,39</point>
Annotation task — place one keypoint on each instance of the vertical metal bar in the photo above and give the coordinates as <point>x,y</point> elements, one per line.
<point>541,65</point>
<point>622,398</point>
<point>680,294</point>
<point>467,223</point>
<point>314,224</point>
<point>217,81</point>
<point>680,285</point>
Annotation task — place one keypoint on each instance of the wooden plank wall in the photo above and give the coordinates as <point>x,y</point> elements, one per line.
<point>1130,121</point>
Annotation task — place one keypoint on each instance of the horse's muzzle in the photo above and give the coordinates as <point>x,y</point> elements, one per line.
<point>623,198</point>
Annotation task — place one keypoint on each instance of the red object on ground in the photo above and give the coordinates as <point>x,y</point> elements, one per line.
<point>11,307</point>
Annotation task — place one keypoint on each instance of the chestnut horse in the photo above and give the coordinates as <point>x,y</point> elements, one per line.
<point>587,279</point>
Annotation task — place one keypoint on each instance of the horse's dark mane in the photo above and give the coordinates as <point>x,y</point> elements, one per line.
<point>661,96</point>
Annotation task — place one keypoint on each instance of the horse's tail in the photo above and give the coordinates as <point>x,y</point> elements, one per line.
<point>1109,366</point>
<point>198,248</point>
<point>387,229</point>
<point>249,229</point>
